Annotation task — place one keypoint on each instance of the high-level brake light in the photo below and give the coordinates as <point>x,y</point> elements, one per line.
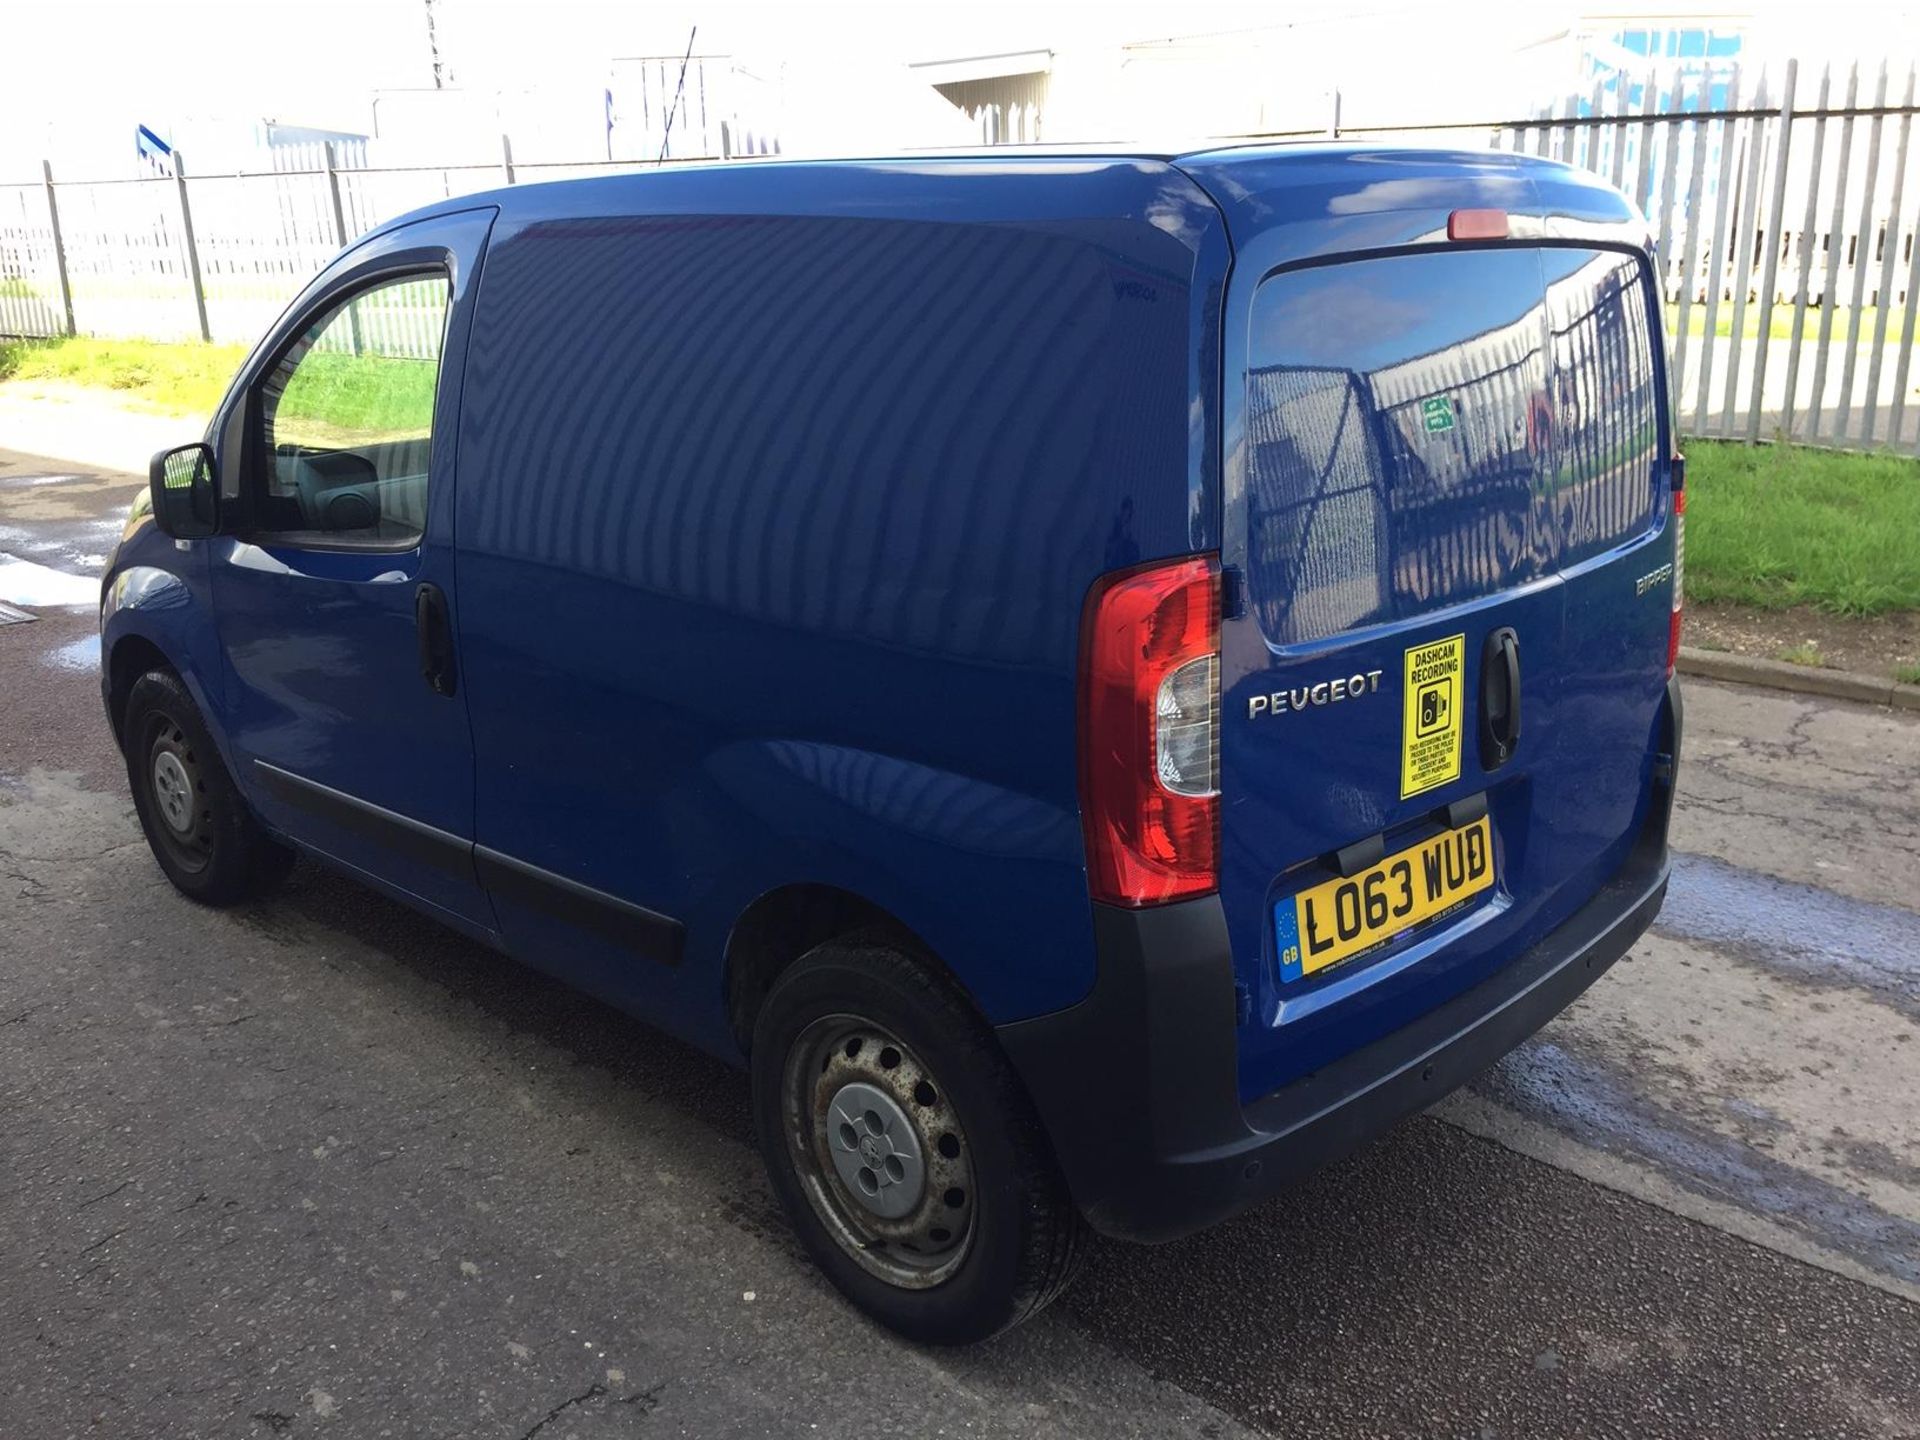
<point>1150,732</point>
<point>1477,225</point>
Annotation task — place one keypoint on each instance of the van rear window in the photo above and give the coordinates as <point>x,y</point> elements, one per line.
<point>1427,429</point>
<point>1606,421</point>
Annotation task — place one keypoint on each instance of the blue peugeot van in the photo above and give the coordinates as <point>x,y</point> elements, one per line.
<point>1104,680</point>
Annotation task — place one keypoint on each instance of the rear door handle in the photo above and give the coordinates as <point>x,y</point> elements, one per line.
<point>1499,698</point>
<point>435,637</point>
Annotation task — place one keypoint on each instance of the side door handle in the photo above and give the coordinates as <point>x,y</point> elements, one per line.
<point>1499,698</point>
<point>435,636</point>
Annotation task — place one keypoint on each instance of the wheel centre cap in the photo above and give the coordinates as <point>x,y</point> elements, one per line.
<point>875,1151</point>
<point>174,790</point>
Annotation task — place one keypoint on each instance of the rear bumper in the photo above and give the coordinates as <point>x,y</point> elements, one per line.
<point>1137,1084</point>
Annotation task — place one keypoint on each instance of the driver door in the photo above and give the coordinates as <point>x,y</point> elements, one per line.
<point>335,594</point>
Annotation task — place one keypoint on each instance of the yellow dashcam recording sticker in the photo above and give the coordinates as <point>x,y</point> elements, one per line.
<point>1430,737</point>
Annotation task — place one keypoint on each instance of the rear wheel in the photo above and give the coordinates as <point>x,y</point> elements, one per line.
<point>196,822</point>
<point>904,1150</point>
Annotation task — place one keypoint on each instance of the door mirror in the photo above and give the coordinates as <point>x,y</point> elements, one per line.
<point>180,481</point>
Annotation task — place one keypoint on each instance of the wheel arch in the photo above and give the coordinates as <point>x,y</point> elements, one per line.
<point>783,924</point>
<point>130,656</point>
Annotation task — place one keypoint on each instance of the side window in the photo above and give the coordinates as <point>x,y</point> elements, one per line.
<point>347,420</point>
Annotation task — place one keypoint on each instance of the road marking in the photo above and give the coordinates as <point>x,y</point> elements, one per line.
<point>1513,1131</point>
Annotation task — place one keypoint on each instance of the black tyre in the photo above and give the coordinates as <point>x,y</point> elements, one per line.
<point>197,824</point>
<point>904,1149</point>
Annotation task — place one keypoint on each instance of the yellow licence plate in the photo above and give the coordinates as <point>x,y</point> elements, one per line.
<point>1338,919</point>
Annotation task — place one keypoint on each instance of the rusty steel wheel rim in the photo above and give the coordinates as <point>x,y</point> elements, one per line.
<point>879,1151</point>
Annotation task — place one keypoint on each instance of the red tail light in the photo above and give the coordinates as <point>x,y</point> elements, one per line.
<point>1679,562</point>
<point>1673,623</point>
<point>1149,732</point>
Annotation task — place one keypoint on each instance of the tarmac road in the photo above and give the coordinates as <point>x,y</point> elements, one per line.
<point>317,1167</point>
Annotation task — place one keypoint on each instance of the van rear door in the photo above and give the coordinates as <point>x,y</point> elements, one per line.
<point>1444,477</point>
<point>1612,511</point>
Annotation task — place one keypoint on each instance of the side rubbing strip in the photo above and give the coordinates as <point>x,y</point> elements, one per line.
<point>417,841</point>
<point>657,937</point>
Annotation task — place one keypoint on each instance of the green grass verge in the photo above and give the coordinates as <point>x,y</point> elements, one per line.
<point>180,379</point>
<point>1780,323</point>
<point>341,399</point>
<point>344,396</point>
<point>1782,525</point>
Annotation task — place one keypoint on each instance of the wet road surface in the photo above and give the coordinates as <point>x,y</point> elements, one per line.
<point>318,1167</point>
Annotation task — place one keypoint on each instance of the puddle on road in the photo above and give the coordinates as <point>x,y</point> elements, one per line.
<point>81,655</point>
<point>1757,1050</point>
<point>35,533</point>
<point>1796,930</point>
<point>70,545</point>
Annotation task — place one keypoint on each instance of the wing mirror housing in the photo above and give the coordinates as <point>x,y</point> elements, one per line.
<point>186,504</point>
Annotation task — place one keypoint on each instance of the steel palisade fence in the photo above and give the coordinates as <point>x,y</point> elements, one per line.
<point>208,257</point>
<point>1786,226</point>
<point>1787,237</point>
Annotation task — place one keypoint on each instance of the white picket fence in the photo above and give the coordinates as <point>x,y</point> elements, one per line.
<point>1788,225</point>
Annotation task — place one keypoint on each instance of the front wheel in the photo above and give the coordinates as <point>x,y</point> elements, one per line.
<point>904,1150</point>
<point>196,821</point>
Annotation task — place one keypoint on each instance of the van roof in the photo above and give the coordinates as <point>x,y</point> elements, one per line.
<point>1254,184</point>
